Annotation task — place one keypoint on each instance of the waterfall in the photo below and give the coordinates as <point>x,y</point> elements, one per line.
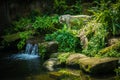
<point>35,50</point>
<point>31,52</point>
<point>31,49</point>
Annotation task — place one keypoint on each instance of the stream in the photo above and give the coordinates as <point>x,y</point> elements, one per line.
<point>31,69</point>
<point>27,66</point>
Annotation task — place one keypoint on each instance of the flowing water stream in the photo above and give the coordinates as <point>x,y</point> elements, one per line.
<point>27,66</point>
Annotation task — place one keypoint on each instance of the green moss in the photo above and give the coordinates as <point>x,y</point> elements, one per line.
<point>62,57</point>
<point>12,37</point>
<point>112,47</point>
<point>98,65</point>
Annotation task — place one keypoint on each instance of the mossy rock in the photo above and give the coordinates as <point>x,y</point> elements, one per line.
<point>15,36</point>
<point>62,57</point>
<point>69,71</point>
<point>98,65</point>
<point>55,75</point>
<point>55,55</point>
<point>65,73</point>
<point>51,64</point>
<point>51,47</point>
<point>12,37</point>
<point>73,59</point>
<point>47,48</point>
<point>109,48</point>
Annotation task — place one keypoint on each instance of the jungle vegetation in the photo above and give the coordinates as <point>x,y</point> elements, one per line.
<point>104,25</point>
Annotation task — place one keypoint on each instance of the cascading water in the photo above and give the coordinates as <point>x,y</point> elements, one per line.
<point>31,49</point>
<point>31,52</point>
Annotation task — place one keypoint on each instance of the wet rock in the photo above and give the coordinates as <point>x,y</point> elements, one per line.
<point>47,48</point>
<point>73,59</point>
<point>51,64</point>
<point>55,75</point>
<point>98,65</point>
<point>51,47</point>
<point>55,55</point>
<point>92,65</point>
<point>70,71</point>
<point>66,73</point>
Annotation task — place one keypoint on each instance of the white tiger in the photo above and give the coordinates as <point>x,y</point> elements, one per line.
<point>67,19</point>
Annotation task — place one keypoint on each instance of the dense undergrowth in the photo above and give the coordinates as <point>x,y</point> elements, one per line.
<point>104,25</point>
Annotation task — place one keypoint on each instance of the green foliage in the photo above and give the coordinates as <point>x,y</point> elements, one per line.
<point>22,25</point>
<point>66,39</point>
<point>40,24</point>
<point>24,36</point>
<point>67,6</point>
<point>96,41</point>
<point>45,23</point>
<point>29,27</point>
<point>62,57</point>
<point>111,53</point>
<point>42,50</point>
<point>108,12</point>
<point>117,71</point>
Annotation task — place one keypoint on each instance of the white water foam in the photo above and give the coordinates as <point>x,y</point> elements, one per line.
<point>31,52</point>
<point>22,56</point>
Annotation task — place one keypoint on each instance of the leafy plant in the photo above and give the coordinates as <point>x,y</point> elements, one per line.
<point>66,39</point>
<point>24,36</point>
<point>97,41</point>
<point>107,12</point>
<point>111,53</point>
<point>107,16</point>
<point>42,50</point>
<point>45,24</point>
<point>23,24</point>
<point>30,27</point>
<point>117,70</point>
<point>62,57</point>
<point>67,6</point>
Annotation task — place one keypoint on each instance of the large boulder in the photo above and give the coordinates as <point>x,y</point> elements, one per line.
<point>73,59</point>
<point>92,65</point>
<point>47,48</point>
<point>98,65</point>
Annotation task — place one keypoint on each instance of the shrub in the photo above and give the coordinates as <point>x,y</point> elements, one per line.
<point>45,24</point>
<point>106,15</point>
<point>62,57</point>
<point>41,25</point>
<point>23,24</point>
<point>66,39</point>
